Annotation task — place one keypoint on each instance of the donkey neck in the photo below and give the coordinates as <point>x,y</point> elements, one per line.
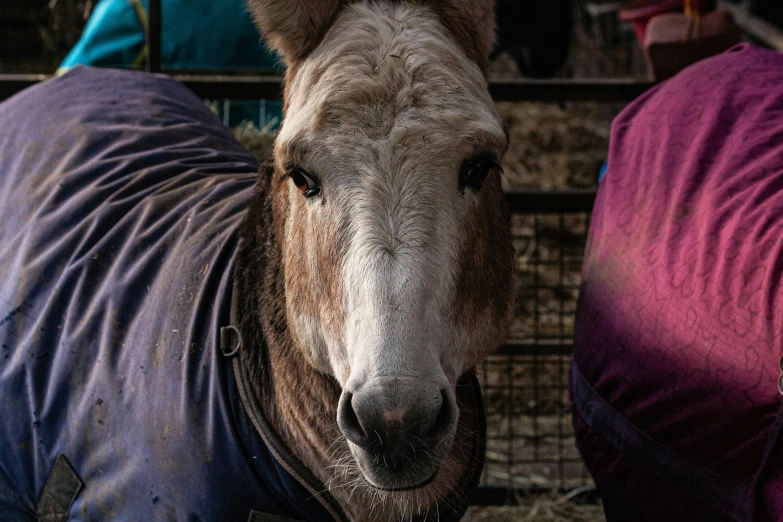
<point>300,403</point>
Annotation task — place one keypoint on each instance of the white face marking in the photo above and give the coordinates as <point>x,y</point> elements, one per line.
<point>386,109</point>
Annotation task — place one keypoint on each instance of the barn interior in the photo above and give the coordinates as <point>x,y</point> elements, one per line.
<point>558,99</point>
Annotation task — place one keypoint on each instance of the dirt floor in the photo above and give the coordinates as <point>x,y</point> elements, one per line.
<point>538,508</point>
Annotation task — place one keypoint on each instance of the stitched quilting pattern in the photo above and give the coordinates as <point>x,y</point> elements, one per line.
<point>680,317</point>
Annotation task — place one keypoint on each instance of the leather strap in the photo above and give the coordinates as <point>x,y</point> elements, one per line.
<point>231,343</point>
<point>773,439</point>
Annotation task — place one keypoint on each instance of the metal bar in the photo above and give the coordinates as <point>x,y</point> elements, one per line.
<point>754,26</point>
<point>498,495</point>
<point>561,90</point>
<point>551,202</point>
<point>538,349</point>
<point>251,87</point>
<point>536,336</point>
<point>493,496</point>
<point>562,334</point>
<point>509,392</point>
<point>234,87</point>
<point>11,84</point>
<point>153,36</point>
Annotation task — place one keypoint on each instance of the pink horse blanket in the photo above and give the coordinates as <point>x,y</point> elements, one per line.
<point>675,379</point>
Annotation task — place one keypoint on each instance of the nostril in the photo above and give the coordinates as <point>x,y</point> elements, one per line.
<point>349,422</point>
<point>445,418</point>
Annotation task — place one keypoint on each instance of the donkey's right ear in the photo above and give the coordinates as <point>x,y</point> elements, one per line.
<point>293,27</point>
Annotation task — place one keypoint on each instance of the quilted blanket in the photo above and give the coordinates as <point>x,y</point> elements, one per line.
<point>121,197</point>
<point>676,374</point>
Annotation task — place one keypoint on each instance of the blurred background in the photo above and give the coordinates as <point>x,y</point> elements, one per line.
<point>38,34</point>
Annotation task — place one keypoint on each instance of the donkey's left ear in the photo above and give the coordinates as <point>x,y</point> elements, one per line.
<point>293,27</point>
<point>472,22</point>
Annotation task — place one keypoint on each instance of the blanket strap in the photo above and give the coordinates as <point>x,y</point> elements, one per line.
<point>773,440</point>
<point>61,489</point>
<point>231,344</point>
<point>725,494</point>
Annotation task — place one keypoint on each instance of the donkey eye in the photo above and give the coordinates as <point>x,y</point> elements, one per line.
<point>474,171</point>
<point>306,185</point>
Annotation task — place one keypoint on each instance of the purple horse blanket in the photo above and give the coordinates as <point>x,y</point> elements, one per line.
<point>122,195</point>
<point>676,374</point>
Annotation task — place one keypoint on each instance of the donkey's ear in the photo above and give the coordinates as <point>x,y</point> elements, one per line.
<point>293,27</point>
<point>472,22</point>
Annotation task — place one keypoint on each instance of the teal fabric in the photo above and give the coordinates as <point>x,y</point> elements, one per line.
<point>113,37</point>
<point>196,34</point>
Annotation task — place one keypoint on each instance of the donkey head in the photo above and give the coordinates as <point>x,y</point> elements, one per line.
<point>388,207</point>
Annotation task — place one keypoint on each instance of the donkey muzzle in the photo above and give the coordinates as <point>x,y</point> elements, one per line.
<point>400,430</point>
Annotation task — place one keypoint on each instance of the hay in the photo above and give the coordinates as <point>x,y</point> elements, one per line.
<point>553,146</point>
<point>539,508</point>
<point>258,141</point>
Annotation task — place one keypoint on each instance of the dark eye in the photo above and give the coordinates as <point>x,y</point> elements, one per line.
<point>474,171</point>
<point>302,180</point>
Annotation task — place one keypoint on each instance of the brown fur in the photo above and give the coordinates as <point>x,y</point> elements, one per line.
<point>289,271</point>
<point>486,264</point>
<point>300,403</point>
<point>313,279</point>
<point>272,359</point>
<point>295,27</point>
<point>471,23</point>
<point>312,282</point>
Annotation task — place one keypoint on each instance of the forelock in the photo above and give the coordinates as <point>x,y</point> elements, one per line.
<point>383,66</point>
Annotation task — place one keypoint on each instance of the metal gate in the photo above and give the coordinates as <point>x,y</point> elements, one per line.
<point>530,444</point>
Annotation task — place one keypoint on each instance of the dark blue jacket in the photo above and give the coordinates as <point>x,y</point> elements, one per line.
<point>121,198</point>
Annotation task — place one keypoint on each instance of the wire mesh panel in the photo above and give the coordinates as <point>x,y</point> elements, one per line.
<point>530,443</point>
